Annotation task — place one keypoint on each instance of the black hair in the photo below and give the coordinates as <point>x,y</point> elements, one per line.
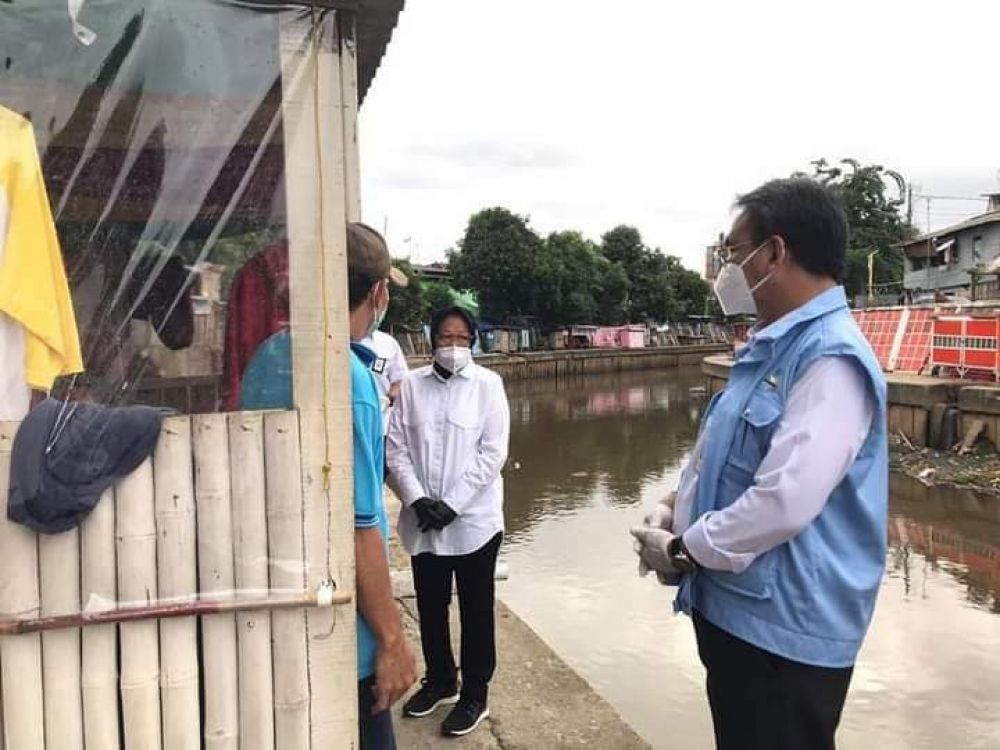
<point>807,215</point>
<point>438,318</point>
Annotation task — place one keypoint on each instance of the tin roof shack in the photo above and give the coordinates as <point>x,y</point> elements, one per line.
<point>169,136</point>
<point>946,261</point>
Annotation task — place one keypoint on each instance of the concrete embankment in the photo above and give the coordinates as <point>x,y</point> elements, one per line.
<point>570,362</point>
<point>929,411</point>
<point>536,699</point>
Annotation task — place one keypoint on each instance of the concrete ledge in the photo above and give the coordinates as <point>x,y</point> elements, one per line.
<point>979,399</point>
<point>570,362</point>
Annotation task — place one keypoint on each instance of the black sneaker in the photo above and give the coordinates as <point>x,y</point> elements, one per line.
<point>426,700</point>
<point>464,717</point>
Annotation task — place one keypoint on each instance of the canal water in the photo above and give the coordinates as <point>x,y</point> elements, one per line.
<point>588,457</point>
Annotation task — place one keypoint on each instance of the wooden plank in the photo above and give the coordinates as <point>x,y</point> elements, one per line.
<point>316,199</point>
<point>177,580</point>
<point>246,457</point>
<point>287,568</point>
<point>137,584</point>
<point>20,655</point>
<point>99,590</point>
<point>216,575</point>
<point>59,577</point>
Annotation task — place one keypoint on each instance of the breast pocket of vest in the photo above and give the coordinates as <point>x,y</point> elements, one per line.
<point>755,429</point>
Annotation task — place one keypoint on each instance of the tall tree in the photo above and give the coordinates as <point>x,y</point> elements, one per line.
<point>499,259</point>
<point>873,199</point>
<point>407,306</point>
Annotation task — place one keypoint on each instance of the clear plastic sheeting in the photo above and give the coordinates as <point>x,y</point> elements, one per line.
<point>159,135</point>
<point>144,212</point>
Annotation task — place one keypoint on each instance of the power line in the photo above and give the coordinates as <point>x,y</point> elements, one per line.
<point>925,196</point>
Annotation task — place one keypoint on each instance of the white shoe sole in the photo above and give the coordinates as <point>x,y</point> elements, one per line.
<point>482,717</point>
<point>448,700</point>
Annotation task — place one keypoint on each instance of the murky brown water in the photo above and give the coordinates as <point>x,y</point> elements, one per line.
<point>589,455</point>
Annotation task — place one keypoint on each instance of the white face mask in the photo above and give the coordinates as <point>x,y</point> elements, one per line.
<point>732,290</point>
<point>377,322</point>
<point>453,358</point>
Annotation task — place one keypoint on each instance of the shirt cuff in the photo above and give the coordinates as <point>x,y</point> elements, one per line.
<point>700,546</point>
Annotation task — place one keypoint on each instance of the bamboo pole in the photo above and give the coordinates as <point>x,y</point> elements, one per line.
<point>59,576</point>
<point>316,167</point>
<point>177,571</point>
<point>287,566</point>
<point>140,646</point>
<point>216,576</point>
<point>20,656</point>
<point>246,457</point>
<point>100,643</point>
<point>166,609</point>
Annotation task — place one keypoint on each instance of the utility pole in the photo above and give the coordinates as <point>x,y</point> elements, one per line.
<point>909,205</point>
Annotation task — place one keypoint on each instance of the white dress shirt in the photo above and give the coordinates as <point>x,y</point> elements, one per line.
<point>448,441</point>
<point>388,368</point>
<point>826,421</point>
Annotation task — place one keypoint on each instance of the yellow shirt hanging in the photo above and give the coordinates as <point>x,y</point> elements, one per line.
<point>33,288</point>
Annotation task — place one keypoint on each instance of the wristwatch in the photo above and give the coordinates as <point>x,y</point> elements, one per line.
<point>679,556</point>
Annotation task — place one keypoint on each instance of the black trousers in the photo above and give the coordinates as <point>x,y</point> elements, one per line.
<point>474,573</point>
<point>761,700</point>
<point>374,730</point>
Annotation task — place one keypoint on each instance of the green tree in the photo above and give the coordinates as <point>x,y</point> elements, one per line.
<point>500,259</point>
<point>660,289</point>
<point>437,295</point>
<point>873,199</point>
<point>612,292</point>
<point>571,280</point>
<point>407,306</point>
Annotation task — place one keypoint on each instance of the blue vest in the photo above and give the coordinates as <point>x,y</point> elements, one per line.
<point>810,599</point>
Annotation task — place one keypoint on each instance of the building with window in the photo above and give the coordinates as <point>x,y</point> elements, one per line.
<point>948,260</point>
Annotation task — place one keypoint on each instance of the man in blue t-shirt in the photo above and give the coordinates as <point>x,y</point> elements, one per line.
<point>386,665</point>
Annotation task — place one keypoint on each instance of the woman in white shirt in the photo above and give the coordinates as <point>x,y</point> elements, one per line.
<point>447,443</point>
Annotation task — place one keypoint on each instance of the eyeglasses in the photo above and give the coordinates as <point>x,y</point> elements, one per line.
<point>726,252</point>
<point>453,339</point>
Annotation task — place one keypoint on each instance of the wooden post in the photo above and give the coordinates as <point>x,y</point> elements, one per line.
<point>59,575</point>
<point>315,165</point>
<point>100,642</point>
<point>20,655</point>
<point>177,579</point>
<point>286,557</point>
<point>246,456</point>
<point>140,647</point>
<point>216,575</point>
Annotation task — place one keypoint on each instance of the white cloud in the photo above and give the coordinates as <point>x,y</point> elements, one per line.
<point>586,115</point>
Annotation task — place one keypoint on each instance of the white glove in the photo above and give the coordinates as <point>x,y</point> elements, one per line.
<point>651,546</point>
<point>662,515</point>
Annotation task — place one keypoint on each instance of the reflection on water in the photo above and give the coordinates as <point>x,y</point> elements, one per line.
<point>588,455</point>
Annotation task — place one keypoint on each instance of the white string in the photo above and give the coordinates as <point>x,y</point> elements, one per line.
<point>84,35</point>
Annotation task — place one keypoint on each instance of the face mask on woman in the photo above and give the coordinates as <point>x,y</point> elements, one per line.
<point>453,358</point>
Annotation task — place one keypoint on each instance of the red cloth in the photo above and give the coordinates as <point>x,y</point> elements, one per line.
<point>257,309</point>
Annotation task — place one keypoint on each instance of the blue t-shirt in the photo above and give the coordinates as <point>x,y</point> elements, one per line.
<point>369,507</point>
<point>267,384</point>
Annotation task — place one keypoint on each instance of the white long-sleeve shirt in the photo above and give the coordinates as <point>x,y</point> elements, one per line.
<point>388,368</point>
<point>825,423</point>
<point>448,440</point>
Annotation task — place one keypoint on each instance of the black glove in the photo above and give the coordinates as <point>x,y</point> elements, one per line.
<point>442,514</point>
<point>422,507</point>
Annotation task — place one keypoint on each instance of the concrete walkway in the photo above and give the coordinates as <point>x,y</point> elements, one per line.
<point>536,700</point>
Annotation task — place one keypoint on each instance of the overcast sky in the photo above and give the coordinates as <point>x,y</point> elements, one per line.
<point>584,115</point>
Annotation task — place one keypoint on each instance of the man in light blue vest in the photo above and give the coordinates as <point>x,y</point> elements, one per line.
<point>776,534</point>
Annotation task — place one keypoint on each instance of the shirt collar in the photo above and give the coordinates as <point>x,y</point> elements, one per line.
<point>366,355</point>
<point>465,372</point>
<point>823,303</point>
